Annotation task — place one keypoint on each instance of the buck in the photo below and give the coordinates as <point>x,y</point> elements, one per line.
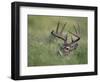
<point>67,47</point>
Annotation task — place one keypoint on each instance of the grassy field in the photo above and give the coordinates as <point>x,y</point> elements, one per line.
<point>42,48</point>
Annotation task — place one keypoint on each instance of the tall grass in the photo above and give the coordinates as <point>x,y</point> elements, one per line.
<point>42,47</point>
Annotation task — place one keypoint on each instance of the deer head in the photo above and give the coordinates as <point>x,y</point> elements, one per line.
<point>67,47</point>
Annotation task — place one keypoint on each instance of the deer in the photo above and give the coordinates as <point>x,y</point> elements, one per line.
<point>67,47</point>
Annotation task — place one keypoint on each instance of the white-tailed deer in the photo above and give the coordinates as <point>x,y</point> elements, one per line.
<point>67,47</point>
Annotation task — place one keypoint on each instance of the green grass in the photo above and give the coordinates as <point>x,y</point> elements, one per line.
<point>42,48</point>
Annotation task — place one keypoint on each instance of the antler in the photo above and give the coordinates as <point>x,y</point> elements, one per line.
<point>76,35</point>
<point>59,34</point>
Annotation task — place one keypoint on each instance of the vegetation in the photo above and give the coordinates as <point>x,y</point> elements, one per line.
<point>42,47</point>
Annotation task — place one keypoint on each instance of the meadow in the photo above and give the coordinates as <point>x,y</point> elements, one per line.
<point>42,47</point>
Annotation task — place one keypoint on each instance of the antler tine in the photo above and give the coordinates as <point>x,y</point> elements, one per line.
<point>66,37</point>
<point>65,41</point>
<point>75,29</point>
<point>57,27</point>
<point>62,28</point>
<point>78,28</point>
<point>72,39</point>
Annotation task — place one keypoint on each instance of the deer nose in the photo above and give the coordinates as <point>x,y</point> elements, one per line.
<point>67,48</point>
